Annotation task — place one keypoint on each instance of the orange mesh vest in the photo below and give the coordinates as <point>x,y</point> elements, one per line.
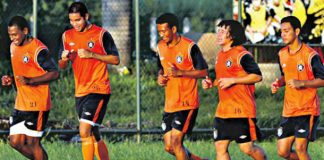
<point>236,101</point>
<point>24,63</point>
<point>181,93</point>
<point>90,75</point>
<point>298,66</point>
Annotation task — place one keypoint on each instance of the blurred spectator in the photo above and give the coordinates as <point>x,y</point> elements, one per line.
<point>277,11</point>
<point>259,27</point>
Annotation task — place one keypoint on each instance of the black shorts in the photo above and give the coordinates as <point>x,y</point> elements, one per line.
<point>31,123</point>
<point>239,129</point>
<point>183,121</point>
<point>92,108</point>
<point>300,126</point>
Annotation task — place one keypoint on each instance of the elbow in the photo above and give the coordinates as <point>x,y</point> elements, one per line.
<point>56,75</point>
<point>62,64</point>
<point>116,61</point>
<point>260,78</point>
<point>205,73</point>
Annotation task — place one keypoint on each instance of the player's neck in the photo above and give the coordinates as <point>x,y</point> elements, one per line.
<point>295,46</point>
<point>226,47</point>
<point>175,41</point>
<point>87,27</point>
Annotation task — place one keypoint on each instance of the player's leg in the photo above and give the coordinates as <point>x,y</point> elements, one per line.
<point>301,148</point>
<point>91,109</point>
<point>246,137</point>
<point>17,142</point>
<point>176,142</point>
<point>167,143</point>
<point>254,151</point>
<point>101,150</point>
<point>35,124</point>
<point>182,124</point>
<point>221,147</point>
<point>286,138</point>
<point>305,132</point>
<point>18,131</point>
<point>166,128</point>
<point>86,140</point>
<point>284,148</point>
<point>35,145</point>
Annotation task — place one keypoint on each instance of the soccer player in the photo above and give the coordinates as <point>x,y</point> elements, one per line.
<point>89,48</point>
<point>236,74</point>
<point>33,69</point>
<point>180,63</point>
<point>302,73</point>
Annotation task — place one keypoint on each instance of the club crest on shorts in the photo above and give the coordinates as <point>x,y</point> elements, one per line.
<point>26,59</point>
<point>279,131</point>
<point>91,44</point>
<point>179,59</point>
<point>229,63</point>
<point>215,134</point>
<point>300,67</point>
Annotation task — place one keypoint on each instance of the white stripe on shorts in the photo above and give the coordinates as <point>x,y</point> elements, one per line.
<point>20,128</point>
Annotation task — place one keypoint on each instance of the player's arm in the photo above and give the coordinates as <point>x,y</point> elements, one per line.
<point>112,56</point>
<point>318,71</point>
<point>47,63</point>
<point>162,79</point>
<point>199,63</point>
<point>250,67</point>
<point>63,57</point>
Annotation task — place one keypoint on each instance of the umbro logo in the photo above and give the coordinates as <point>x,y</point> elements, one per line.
<point>177,122</point>
<point>301,130</point>
<point>87,113</point>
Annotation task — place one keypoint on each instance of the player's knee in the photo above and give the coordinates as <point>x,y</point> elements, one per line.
<point>176,142</point>
<point>33,143</point>
<point>301,148</point>
<point>168,148</point>
<point>221,148</point>
<point>247,150</point>
<point>84,134</point>
<point>283,153</point>
<point>15,143</point>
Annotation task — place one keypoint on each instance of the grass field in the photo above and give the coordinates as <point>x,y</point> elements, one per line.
<point>152,150</point>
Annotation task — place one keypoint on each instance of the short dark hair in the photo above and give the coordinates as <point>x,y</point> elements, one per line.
<point>294,21</point>
<point>78,7</point>
<point>20,22</point>
<point>236,31</point>
<point>169,18</point>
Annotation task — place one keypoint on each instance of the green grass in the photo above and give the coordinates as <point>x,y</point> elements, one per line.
<point>151,150</point>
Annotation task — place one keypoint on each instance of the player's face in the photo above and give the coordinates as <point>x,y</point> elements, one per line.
<point>77,21</point>
<point>165,33</point>
<point>288,34</point>
<point>16,35</point>
<point>223,35</point>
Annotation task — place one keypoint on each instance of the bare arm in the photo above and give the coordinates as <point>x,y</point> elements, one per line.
<point>249,79</point>
<point>43,79</point>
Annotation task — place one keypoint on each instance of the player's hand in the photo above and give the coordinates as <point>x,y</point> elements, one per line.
<point>22,80</point>
<point>6,80</point>
<point>162,80</point>
<point>173,71</point>
<point>65,55</point>
<point>296,84</point>
<point>275,86</point>
<point>84,53</point>
<point>224,83</point>
<point>207,83</point>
